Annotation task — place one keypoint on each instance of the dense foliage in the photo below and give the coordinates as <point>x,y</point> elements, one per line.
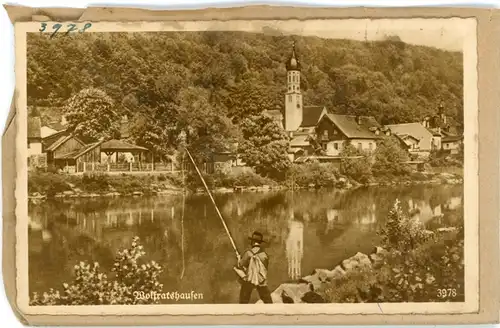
<point>206,83</point>
<point>92,286</point>
<point>91,115</point>
<point>264,146</point>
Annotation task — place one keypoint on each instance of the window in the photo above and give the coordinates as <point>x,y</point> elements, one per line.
<point>336,146</point>
<point>289,88</point>
<point>325,134</point>
<point>29,145</point>
<point>289,78</point>
<point>360,146</point>
<point>298,105</point>
<point>290,98</point>
<point>335,131</point>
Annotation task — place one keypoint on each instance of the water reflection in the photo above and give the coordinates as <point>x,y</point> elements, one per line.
<point>306,230</point>
<point>295,248</point>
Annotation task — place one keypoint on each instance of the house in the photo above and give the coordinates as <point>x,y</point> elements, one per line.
<point>426,138</point>
<point>452,143</point>
<point>334,130</point>
<point>408,142</point>
<point>59,146</point>
<point>34,136</point>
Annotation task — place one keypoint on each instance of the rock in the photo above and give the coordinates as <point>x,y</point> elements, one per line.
<point>359,260</point>
<point>312,297</point>
<point>137,193</point>
<point>377,259</point>
<point>59,195</point>
<point>328,275</point>
<point>77,190</point>
<point>68,193</point>
<point>447,229</point>
<point>295,292</point>
<point>363,259</point>
<point>314,280</point>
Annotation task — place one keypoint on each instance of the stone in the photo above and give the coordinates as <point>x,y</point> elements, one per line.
<point>68,193</point>
<point>447,229</point>
<point>137,193</point>
<point>363,259</point>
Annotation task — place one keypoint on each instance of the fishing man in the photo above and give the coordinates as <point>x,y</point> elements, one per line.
<point>254,262</point>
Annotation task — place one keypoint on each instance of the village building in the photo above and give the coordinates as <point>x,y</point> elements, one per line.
<point>34,136</point>
<point>452,144</point>
<point>362,132</point>
<point>427,139</point>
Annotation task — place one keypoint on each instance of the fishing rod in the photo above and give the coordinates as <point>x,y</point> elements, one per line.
<point>215,205</point>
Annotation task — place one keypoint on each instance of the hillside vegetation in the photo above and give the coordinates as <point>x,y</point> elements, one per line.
<point>206,83</point>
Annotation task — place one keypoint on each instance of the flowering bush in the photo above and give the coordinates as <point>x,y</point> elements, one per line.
<point>402,232</point>
<point>91,286</point>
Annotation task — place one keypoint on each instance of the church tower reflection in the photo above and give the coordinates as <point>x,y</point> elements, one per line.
<point>294,247</point>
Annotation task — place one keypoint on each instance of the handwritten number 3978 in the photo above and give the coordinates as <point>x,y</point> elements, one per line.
<point>70,28</point>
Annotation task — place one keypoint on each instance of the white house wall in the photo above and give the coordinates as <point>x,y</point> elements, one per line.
<point>365,146</point>
<point>35,148</point>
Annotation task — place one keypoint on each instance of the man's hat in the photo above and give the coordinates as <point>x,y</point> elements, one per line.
<point>257,237</point>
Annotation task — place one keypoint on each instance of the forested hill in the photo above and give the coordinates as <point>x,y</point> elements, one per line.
<point>245,72</point>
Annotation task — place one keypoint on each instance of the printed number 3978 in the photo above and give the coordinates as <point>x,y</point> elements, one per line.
<point>444,293</point>
<point>70,28</point>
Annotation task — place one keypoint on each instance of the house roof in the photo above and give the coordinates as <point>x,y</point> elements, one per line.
<point>452,138</point>
<point>34,127</point>
<point>300,141</point>
<point>80,152</point>
<point>120,145</point>
<point>350,128</point>
<point>416,130</point>
<point>61,140</point>
<point>55,126</point>
<point>311,115</point>
<point>405,138</point>
<point>49,140</point>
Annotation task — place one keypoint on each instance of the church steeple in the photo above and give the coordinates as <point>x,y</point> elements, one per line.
<point>293,97</point>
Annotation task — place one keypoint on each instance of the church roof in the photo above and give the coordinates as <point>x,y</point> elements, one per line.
<point>293,63</point>
<point>311,115</point>
<point>350,128</point>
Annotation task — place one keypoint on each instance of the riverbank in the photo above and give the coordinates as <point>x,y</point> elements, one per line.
<point>389,274</point>
<point>46,185</point>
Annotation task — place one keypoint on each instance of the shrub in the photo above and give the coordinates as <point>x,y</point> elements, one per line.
<point>91,286</point>
<point>47,183</point>
<point>359,169</point>
<point>402,232</point>
<point>95,182</point>
<point>319,175</point>
<point>389,159</point>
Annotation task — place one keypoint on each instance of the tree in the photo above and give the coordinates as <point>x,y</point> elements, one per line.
<point>91,115</point>
<point>390,158</point>
<point>264,146</point>
<point>355,163</point>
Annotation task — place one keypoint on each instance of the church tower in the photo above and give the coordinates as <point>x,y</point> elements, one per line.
<point>293,96</point>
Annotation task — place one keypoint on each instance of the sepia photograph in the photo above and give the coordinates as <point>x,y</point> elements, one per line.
<point>252,163</point>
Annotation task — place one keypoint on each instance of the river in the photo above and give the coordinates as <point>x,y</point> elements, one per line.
<point>305,230</point>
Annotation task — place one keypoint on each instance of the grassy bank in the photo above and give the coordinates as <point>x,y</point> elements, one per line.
<point>314,175</point>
